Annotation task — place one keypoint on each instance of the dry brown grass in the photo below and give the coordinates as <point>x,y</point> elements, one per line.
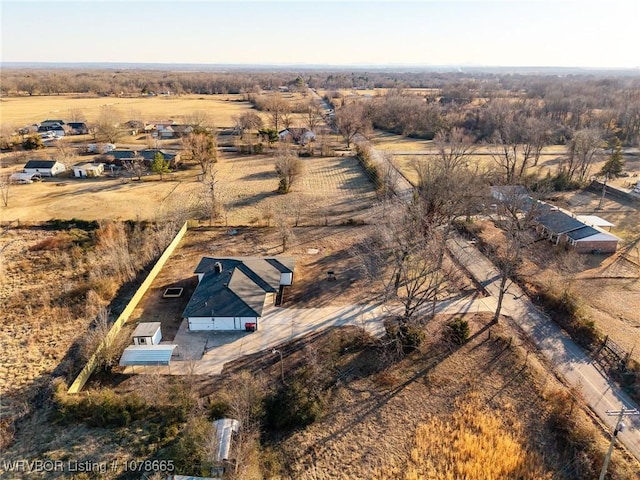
<point>20,111</point>
<point>476,444</point>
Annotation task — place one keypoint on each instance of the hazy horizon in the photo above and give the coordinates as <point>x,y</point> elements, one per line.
<point>418,34</point>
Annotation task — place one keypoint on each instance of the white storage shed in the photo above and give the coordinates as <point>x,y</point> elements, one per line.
<point>147,333</point>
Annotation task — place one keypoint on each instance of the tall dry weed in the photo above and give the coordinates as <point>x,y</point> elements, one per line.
<point>476,444</point>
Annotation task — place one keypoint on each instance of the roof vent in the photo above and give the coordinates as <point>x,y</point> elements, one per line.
<point>217,267</point>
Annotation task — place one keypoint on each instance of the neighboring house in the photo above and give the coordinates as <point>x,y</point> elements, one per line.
<point>561,226</point>
<point>232,292</point>
<point>147,333</point>
<point>57,127</point>
<point>78,128</point>
<point>174,131</point>
<point>52,123</point>
<point>583,234</point>
<point>93,170</point>
<point>301,136</point>
<point>122,157</point>
<point>46,168</point>
<point>509,193</point>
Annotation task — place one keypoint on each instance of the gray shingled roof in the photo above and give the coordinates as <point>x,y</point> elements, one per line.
<point>239,290</point>
<point>558,222</point>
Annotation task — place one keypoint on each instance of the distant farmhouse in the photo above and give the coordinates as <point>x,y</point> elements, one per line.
<point>233,292</point>
<point>300,136</point>
<point>83,170</point>
<point>78,128</point>
<point>46,168</point>
<point>122,157</point>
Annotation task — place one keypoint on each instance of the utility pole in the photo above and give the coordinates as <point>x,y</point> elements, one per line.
<point>618,428</point>
<point>281,364</point>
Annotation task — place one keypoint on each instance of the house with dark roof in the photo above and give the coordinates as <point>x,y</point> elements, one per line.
<point>562,226</point>
<point>122,157</point>
<point>46,168</point>
<point>232,293</point>
<point>78,128</point>
<point>300,136</point>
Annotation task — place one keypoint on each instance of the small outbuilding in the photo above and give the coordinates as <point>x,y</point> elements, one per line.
<point>147,355</point>
<point>92,170</point>
<point>225,428</point>
<point>46,168</point>
<point>147,333</point>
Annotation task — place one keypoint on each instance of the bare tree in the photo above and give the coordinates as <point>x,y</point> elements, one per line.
<point>515,217</point>
<point>211,202</point>
<point>536,137</point>
<point>107,127</point>
<point>66,153</point>
<point>76,115</point>
<point>584,149</point>
<point>283,223</point>
<point>454,148</point>
<point>137,167</point>
<point>313,114</point>
<point>200,120</point>
<point>5,185</point>
<point>278,108</point>
<point>289,169</point>
<point>506,142</point>
<point>350,121</point>
<point>247,121</point>
<point>202,149</point>
<point>246,405</point>
<point>97,340</point>
<point>402,257</point>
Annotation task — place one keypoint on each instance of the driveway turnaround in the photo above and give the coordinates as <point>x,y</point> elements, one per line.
<point>567,359</point>
<point>206,353</point>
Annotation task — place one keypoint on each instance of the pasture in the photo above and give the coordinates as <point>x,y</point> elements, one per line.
<point>20,111</point>
<point>331,189</point>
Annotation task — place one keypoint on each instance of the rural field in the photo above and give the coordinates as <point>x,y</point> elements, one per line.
<point>364,394</point>
<point>20,111</point>
<point>334,189</point>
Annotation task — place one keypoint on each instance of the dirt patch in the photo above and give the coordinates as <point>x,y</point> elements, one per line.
<point>316,250</point>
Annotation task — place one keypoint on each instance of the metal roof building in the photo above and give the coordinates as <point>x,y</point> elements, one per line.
<point>225,428</point>
<point>147,355</point>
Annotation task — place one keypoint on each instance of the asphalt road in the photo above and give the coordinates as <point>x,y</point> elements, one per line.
<point>568,360</point>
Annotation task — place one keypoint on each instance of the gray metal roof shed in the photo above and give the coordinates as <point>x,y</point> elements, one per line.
<point>147,355</point>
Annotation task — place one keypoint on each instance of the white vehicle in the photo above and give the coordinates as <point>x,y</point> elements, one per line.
<point>25,178</point>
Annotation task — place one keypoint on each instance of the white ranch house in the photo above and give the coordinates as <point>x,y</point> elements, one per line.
<point>46,168</point>
<point>232,292</point>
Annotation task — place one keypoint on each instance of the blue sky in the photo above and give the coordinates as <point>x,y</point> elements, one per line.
<point>586,33</point>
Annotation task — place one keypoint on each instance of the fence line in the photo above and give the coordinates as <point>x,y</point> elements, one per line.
<point>91,365</point>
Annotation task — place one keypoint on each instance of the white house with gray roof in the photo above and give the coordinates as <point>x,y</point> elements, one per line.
<point>233,292</point>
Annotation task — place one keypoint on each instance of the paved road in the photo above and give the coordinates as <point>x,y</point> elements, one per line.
<point>567,358</point>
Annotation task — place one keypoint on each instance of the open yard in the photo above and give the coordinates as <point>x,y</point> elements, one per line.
<point>334,189</point>
<point>316,250</point>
